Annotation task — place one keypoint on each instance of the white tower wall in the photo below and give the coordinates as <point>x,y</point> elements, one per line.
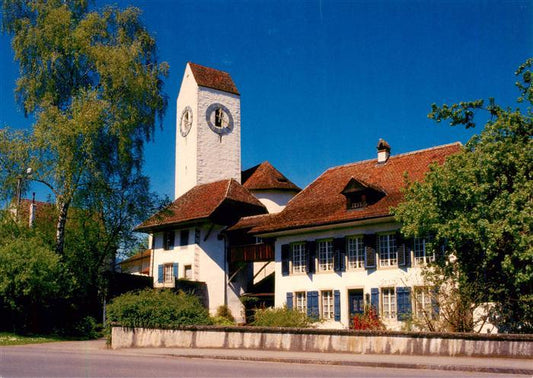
<point>186,151</point>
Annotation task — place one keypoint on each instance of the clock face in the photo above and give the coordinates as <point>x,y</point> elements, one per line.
<point>219,119</point>
<point>186,121</point>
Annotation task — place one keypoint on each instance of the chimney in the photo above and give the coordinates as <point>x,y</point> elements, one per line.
<point>383,151</point>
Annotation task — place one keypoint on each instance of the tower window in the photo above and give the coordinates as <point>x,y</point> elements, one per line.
<point>219,116</point>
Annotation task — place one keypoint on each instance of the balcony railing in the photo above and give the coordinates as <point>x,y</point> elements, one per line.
<point>252,252</point>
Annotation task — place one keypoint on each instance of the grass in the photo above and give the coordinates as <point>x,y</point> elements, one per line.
<point>7,338</point>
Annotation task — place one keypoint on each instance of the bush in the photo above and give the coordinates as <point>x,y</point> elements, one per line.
<point>223,317</point>
<point>280,317</point>
<point>157,309</point>
<point>368,320</point>
<point>87,328</point>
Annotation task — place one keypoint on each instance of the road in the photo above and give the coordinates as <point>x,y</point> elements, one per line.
<point>69,360</point>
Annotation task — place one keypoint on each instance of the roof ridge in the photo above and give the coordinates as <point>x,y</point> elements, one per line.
<point>395,156</point>
<point>209,68</point>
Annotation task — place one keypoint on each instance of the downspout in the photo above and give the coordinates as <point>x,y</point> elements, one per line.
<point>223,236</point>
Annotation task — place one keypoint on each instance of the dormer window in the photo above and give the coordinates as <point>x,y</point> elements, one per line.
<point>359,194</point>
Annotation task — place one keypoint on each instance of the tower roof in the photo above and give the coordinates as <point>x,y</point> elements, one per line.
<point>265,177</point>
<point>212,78</point>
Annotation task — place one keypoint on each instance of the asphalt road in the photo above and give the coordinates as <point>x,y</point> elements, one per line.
<point>75,360</point>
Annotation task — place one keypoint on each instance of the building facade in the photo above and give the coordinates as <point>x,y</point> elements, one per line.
<point>329,250</point>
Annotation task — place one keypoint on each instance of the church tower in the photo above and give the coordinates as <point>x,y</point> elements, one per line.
<point>208,129</point>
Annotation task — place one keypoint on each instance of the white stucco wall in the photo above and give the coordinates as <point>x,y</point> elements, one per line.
<point>218,157</point>
<point>365,279</point>
<point>274,200</point>
<point>207,261</point>
<point>186,151</point>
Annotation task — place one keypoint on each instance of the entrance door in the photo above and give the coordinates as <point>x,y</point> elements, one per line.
<point>356,302</point>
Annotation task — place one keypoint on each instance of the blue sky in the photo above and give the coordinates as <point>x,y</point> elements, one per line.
<point>322,81</point>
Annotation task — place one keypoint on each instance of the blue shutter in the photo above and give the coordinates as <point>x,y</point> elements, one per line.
<point>175,267</point>
<point>337,305</point>
<point>312,304</point>
<point>403,300</point>
<point>374,299</point>
<point>285,258</point>
<point>289,301</point>
<point>160,273</point>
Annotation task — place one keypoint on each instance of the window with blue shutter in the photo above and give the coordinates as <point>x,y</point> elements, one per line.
<point>337,305</point>
<point>374,299</point>
<point>160,274</point>
<point>175,269</point>
<point>289,301</point>
<point>312,304</point>
<point>403,298</point>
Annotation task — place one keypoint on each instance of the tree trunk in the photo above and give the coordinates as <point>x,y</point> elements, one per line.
<point>60,228</point>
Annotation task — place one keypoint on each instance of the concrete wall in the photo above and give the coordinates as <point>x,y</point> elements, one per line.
<point>313,340</point>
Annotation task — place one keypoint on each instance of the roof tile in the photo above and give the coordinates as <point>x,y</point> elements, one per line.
<point>212,78</point>
<point>322,202</point>
<point>264,177</point>
<point>201,202</point>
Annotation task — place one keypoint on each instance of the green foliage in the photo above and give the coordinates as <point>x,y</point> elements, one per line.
<point>94,85</point>
<point>7,338</point>
<point>157,309</point>
<point>92,81</point>
<point>479,205</point>
<point>223,312</point>
<point>280,317</point>
<point>33,279</point>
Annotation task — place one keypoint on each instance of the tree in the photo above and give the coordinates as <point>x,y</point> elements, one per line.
<point>33,279</point>
<point>478,206</point>
<point>94,85</point>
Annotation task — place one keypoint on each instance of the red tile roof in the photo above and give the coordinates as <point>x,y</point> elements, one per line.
<point>219,201</point>
<point>323,203</point>
<point>265,177</point>
<point>211,78</point>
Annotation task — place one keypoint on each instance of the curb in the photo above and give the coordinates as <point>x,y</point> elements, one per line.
<point>394,365</point>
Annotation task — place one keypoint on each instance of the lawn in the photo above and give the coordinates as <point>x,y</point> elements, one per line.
<point>7,338</point>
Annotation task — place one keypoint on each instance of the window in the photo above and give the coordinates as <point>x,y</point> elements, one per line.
<point>169,273</point>
<point>184,237</point>
<point>299,258</point>
<point>388,255</point>
<point>188,272</point>
<point>388,296</point>
<point>168,240</point>
<point>327,304</point>
<point>219,117</point>
<point>301,301</point>
<point>423,304</point>
<point>421,256</point>
<point>325,255</point>
<point>356,252</point>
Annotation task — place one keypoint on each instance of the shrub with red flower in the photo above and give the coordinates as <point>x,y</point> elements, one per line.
<point>368,320</point>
